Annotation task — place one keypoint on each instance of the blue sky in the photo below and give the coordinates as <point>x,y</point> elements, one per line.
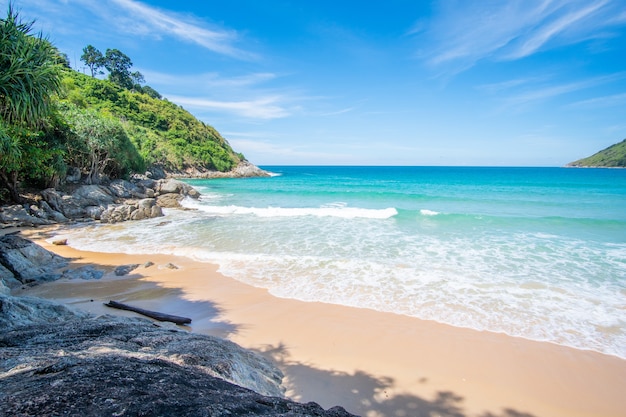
<point>514,82</point>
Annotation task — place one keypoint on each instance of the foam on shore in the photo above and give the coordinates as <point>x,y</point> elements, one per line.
<point>372,363</point>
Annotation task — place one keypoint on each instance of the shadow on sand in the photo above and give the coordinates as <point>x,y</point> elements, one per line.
<point>368,393</point>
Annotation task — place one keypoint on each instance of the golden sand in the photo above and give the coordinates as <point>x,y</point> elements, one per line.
<point>371,363</point>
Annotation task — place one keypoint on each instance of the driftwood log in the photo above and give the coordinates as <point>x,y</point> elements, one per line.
<point>152,314</point>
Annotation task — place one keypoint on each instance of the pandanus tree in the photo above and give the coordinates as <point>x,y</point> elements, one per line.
<point>29,77</point>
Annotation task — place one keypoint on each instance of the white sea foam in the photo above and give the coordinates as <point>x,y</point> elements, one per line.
<point>533,278</point>
<point>504,284</point>
<point>324,211</point>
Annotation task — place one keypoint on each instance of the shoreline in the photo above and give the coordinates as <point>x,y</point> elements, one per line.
<point>371,363</point>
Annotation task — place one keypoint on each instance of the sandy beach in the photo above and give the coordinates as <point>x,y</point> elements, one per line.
<point>371,363</point>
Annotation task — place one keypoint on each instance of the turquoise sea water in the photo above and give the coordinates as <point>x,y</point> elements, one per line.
<point>538,253</point>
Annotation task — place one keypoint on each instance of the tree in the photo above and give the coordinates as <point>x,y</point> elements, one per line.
<point>101,145</point>
<point>118,64</point>
<point>29,74</point>
<point>146,89</point>
<point>11,152</point>
<point>29,77</point>
<point>93,58</point>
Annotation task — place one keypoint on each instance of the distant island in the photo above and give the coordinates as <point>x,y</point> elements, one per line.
<point>612,157</point>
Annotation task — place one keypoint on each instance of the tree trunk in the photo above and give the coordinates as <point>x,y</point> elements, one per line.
<point>10,182</point>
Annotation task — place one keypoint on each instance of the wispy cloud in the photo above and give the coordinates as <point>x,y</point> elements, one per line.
<point>606,101</point>
<point>551,26</point>
<point>162,22</point>
<point>337,112</point>
<point>544,93</point>
<point>209,80</point>
<point>509,84</point>
<point>282,153</point>
<point>271,107</point>
<point>136,18</point>
<point>463,33</point>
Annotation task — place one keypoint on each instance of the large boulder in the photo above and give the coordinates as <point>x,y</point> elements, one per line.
<point>26,311</point>
<point>170,200</point>
<point>65,204</point>
<point>57,363</point>
<point>146,208</point>
<point>245,169</point>
<point>127,189</point>
<point>20,216</point>
<point>93,195</point>
<point>172,186</point>
<point>27,262</point>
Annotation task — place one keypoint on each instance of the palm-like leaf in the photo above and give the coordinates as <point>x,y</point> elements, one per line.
<point>29,74</point>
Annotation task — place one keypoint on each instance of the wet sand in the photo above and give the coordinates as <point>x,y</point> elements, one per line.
<point>371,363</point>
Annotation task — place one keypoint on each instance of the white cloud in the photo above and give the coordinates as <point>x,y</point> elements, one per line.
<point>544,93</point>
<point>208,79</point>
<point>463,32</point>
<point>552,28</point>
<point>606,101</point>
<point>268,153</point>
<point>269,107</point>
<point>134,17</point>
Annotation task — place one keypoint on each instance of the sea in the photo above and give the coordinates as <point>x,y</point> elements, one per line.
<point>536,253</point>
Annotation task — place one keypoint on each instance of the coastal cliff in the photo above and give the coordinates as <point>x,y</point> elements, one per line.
<point>58,361</point>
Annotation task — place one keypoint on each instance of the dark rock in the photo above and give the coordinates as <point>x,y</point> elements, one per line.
<point>28,262</point>
<point>125,269</point>
<point>73,175</point>
<point>156,172</point>
<point>53,215</point>
<point>17,312</point>
<point>84,272</point>
<point>59,242</point>
<point>172,186</point>
<point>170,265</point>
<point>127,189</point>
<point>93,195</point>
<point>20,216</point>
<point>7,278</point>
<point>57,362</point>
<point>94,212</point>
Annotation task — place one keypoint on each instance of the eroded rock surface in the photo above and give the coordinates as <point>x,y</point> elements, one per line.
<point>69,364</point>
<point>56,361</point>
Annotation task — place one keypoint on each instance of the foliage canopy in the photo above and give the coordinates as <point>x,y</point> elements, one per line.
<point>53,118</point>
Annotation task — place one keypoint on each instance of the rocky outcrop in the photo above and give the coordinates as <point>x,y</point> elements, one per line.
<point>20,215</point>
<point>58,361</point>
<point>243,170</point>
<point>72,364</point>
<point>24,263</point>
<point>118,201</point>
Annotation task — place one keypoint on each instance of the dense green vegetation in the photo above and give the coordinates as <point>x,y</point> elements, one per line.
<point>53,118</point>
<point>612,157</point>
<point>162,132</point>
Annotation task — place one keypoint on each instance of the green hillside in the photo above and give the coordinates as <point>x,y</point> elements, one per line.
<point>162,132</point>
<point>54,120</point>
<point>612,157</point>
